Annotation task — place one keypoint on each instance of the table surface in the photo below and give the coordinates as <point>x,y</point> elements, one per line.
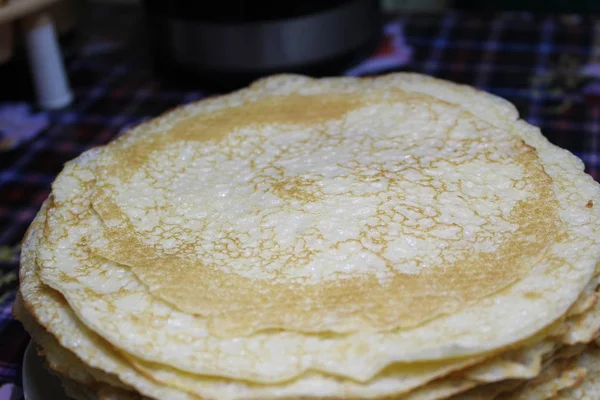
<point>547,65</point>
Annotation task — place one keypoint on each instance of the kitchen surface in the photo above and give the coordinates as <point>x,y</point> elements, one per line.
<point>548,65</point>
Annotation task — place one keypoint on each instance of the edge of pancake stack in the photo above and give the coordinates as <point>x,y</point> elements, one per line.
<point>393,237</point>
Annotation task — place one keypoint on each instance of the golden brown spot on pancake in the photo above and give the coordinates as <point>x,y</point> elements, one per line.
<point>296,188</point>
<point>590,204</point>
<point>532,295</point>
<point>527,146</point>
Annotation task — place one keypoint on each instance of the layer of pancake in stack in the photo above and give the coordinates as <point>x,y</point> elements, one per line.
<point>398,237</point>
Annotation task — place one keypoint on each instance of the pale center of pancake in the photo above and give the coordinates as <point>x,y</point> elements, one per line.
<point>331,201</point>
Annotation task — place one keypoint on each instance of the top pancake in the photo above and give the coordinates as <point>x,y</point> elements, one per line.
<point>534,292</point>
<point>329,206</point>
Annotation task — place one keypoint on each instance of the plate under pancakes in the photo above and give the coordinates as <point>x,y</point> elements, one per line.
<point>321,238</point>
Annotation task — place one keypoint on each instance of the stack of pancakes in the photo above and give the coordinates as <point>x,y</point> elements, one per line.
<point>399,237</point>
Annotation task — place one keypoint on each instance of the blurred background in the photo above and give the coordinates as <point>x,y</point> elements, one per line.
<point>74,74</point>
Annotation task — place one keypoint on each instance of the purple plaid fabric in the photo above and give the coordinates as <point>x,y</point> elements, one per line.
<point>548,66</point>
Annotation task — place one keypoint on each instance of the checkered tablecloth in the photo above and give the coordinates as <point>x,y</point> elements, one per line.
<point>548,66</point>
